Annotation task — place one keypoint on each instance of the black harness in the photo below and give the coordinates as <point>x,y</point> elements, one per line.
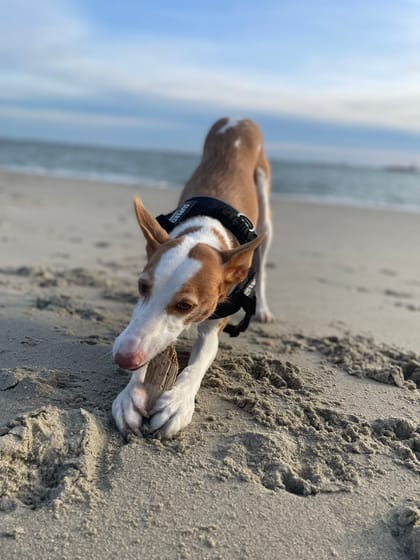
<point>243,295</point>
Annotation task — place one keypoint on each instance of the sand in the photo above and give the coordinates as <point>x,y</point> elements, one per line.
<point>306,438</point>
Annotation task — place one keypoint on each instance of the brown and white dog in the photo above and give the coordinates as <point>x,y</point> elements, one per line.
<point>191,271</point>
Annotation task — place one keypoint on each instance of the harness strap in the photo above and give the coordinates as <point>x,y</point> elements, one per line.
<point>242,297</point>
<point>236,222</point>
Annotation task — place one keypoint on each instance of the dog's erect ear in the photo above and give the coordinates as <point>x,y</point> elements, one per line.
<point>153,232</point>
<point>237,262</point>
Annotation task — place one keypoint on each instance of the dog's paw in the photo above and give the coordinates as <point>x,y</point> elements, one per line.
<point>129,408</point>
<point>173,411</point>
<point>264,315</point>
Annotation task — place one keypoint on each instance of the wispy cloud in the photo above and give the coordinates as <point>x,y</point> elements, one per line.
<point>378,102</point>
<point>53,54</point>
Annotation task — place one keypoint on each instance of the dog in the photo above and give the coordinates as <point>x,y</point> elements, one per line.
<point>193,270</point>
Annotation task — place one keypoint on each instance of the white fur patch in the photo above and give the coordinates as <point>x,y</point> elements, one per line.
<point>231,123</point>
<point>174,269</point>
<point>206,234</point>
<point>237,143</point>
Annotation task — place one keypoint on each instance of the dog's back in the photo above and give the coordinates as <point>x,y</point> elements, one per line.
<point>232,154</point>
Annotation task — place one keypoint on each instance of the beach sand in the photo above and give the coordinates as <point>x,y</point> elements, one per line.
<point>305,443</point>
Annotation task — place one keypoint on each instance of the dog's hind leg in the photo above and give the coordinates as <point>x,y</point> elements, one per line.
<point>262,177</point>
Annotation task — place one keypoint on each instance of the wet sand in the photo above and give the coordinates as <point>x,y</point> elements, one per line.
<point>306,438</point>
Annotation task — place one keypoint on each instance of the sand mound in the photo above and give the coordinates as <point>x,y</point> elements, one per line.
<point>49,456</point>
<point>277,461</point>
<point>66,304</point>
<point>306,447</point>
<point>255,384</point>
<point>403,437</point>
<point>37,381</point>
<point>64,289</point>
<point>45,277</point>
<point>362,357</point>
<point>406,528</point>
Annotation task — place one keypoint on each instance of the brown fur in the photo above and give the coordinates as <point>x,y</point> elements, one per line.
<point>228,172</point>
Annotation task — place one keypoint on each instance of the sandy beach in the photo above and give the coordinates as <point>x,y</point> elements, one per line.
<point>305,443</point>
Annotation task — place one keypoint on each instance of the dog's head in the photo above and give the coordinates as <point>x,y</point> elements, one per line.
<point>182,283</point>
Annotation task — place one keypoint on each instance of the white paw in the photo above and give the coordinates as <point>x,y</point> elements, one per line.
<point>173,411</point>
<point>129,408</point>
<point>264,315</point>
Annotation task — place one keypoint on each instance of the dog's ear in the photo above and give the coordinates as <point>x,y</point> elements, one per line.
<point>237,262</point>
<point>153,232</point>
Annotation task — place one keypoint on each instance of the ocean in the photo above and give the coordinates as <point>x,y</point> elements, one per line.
<point>397,188</point>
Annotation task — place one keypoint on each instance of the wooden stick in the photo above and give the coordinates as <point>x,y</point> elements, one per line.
<point>161,375</point>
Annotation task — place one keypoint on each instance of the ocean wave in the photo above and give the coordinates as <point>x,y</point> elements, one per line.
<point>328,184</point>
<point>94,176</point>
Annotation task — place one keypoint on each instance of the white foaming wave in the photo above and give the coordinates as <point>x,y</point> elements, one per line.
<point>93,176</point>
<point>347,202</point>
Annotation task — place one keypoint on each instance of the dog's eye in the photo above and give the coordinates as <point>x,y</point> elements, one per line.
<point>144,287</point>
<point>184,306</point>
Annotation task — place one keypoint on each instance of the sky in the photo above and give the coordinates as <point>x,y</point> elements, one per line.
<point>327,80</point>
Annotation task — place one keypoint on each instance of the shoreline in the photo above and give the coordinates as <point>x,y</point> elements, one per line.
<point>163,185</point>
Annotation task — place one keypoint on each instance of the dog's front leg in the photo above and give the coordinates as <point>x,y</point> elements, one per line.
<point>174,409</point>
<point>129,408</point>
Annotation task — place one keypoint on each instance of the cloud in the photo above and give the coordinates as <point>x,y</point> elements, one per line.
<point>50,52</point>
<point>32,33</point>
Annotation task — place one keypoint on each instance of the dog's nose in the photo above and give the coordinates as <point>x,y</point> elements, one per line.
<point>129,360</point>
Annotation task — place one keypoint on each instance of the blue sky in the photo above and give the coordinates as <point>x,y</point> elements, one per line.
<point>327,80</point>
